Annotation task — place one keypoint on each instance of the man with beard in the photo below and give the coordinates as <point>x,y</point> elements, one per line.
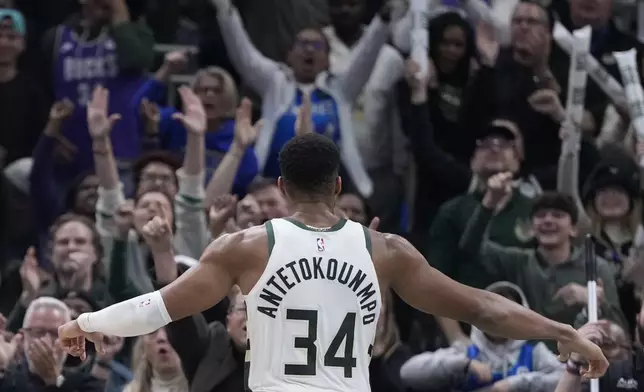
<point>75,255</point>
<point>552,274</point>
<point>42,365</point>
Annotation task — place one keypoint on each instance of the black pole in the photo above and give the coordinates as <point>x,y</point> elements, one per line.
<point>590,259</point>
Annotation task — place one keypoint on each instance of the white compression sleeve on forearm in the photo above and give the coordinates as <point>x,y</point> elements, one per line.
<point>137,316</point>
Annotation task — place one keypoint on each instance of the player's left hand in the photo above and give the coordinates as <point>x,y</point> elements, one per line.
<point>72,339</point>
<point>597,362</point>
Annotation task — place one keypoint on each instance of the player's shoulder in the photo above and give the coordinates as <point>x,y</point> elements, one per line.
<point>240,245</point>
<point>387,246</point>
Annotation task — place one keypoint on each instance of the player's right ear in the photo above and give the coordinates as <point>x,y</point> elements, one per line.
<point>281,186</point>
<point>338,185</point>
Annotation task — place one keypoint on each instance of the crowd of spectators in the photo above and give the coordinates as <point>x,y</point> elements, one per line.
<point>117,111</point>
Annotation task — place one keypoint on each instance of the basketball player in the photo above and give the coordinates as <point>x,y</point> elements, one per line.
<point>313,287</point>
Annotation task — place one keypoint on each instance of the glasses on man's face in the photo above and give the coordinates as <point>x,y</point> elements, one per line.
<point>310,43</point>
<point>494,142</point>
<point>529,21</point>
<point>154,178</point>
<point>37,333</point>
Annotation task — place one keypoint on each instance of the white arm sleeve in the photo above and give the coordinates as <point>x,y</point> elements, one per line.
<point>137,316</point>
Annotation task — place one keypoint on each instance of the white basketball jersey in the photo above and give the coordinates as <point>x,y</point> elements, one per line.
<point>312,315</point>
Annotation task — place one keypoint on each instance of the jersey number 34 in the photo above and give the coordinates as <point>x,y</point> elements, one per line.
<point>331,358</point>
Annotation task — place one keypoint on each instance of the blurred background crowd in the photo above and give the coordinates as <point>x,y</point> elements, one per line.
<point>103,104</point>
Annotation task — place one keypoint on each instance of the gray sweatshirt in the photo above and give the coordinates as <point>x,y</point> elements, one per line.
<point>447,369</point>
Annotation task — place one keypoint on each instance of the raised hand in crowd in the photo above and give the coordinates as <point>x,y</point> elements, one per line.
<point>46,357</point>
<point>499,189</point>
<point>30,276</point>
<point>124,219</point>
<point>193,117</point>
<point>61,110</point>
<point>99,123</point>
<point>174,62</point>
<point>486,43</point>
<point>418,86</point>
<point>222,211</point>
<point>304,120</point>
<point>576,294</point>
<point>151,116</point>
<point>157,232</point>
<point>58,113</point>
<point>245,131</point>
<point>547,102</point>
<point>222,180</point>
<point>9,345</point>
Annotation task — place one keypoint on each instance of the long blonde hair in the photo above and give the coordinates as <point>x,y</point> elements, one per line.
<point>630,221</point>
<point>229,88</point>
<point>143,372</point>
<point>142,381</point>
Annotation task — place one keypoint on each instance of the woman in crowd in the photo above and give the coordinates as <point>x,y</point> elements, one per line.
<point>452,53</point>
<point>156,366</point>
<point>612,202</point>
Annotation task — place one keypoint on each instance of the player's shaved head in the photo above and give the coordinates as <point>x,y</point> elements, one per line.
<point>309,165</point>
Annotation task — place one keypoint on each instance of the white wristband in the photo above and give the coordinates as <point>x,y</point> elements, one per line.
<point>138,316</point>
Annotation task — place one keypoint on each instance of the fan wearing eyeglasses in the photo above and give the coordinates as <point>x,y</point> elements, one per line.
<point>40,365</point>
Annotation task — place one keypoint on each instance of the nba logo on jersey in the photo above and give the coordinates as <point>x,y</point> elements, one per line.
<point>320,243</point>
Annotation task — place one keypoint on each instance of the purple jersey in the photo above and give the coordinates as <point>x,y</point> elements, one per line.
<point>81,65</point>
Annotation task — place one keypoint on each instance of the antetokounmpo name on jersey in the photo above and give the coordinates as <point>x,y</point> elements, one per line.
<point>305,269</point>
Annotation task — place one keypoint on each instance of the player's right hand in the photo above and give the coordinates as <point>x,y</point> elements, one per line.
<point>72,339</point>
<point>589,351</point>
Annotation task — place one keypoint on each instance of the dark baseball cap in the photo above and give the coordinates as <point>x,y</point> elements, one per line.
<point>494,129</point>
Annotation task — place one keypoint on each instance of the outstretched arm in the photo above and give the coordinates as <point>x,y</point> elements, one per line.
<point>426,289</point>
<point>196,290</point>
